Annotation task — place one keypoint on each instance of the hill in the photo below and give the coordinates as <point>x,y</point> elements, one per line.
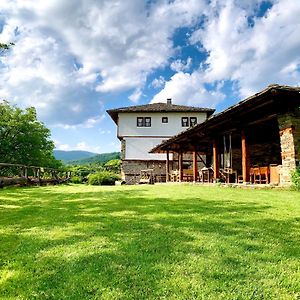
<point>67,156</point>
<point>99,158</point>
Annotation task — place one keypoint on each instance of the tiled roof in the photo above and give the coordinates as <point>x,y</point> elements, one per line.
<point>158,107</point>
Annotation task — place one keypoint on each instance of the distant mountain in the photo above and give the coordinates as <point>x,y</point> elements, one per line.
<point>67,156</point>
<point>99,158</point>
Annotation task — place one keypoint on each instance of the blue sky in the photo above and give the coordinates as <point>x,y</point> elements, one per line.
<point>73,60</point>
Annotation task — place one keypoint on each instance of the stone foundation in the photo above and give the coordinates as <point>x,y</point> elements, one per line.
<point>289,126</point>
<point>131,169</point>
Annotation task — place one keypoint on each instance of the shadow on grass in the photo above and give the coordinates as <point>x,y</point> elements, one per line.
<point>128,244</point>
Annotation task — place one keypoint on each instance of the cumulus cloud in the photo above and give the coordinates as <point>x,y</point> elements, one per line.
<point>136,95</point>
<point>254,56</point>
<point>69,53</point>
<point>189,89</point>
<point>158,82</point>
<point>179,65</point>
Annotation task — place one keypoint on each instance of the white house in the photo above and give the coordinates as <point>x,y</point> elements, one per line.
<point>140,128</point>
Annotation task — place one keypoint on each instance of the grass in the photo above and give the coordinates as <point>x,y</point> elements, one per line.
<point>149,242</point>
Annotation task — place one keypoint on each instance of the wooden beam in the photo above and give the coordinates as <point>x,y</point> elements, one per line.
<point>245,158</point>
<point>216,161</point>
<point>195,166</point>
<point>168,167</point>
<point>180,165</point>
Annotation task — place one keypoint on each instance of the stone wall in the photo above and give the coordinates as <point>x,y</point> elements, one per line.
<point>123,149</point>
<point>131,169</point>
<point>289,126</point>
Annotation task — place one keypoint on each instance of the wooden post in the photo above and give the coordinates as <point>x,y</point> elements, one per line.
<point>180,166</point>
<point>195,166</point>
<point>216,161</point>
<point>245,158</point>
<point>167,167</point>
<point>39,176</point>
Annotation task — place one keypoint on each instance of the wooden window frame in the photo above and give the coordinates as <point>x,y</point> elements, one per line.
<point>147,124</point>
<point>192,123</point>
<point>140,122</point>
<point>143,121</point>
<point>185,121</point>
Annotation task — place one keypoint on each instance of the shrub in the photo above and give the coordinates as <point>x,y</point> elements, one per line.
<point>103,178</point>
<point>76,179</point>
<point>296,179</point>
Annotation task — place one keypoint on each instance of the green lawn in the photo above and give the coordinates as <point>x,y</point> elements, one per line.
<point>149,242</point>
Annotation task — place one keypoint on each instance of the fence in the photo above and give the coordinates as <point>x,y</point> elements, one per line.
<point>15,174</point>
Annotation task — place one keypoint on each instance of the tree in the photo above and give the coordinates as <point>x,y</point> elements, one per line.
<point>23,139</point>
<point>4,47</point>
<point>113,165</point>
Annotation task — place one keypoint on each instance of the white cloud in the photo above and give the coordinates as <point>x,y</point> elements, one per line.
<point>188,89</point>
<point>179,65</point>
<point>254,56</point>
<point>68,53</point>
<point>158,82</point>
<point>136,95</point>
<point>250,56</point>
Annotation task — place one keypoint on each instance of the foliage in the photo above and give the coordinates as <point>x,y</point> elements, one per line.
<point>24,140</point>
<point>296,179</point>
<point>85,170</point>
<point>5,47</point>
<point>103,178</point>
<point>76,179</point>
<point>149,242</point>
<point>97,159</point>
<point>113,165</point>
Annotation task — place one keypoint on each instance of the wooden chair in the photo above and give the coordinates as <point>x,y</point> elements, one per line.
<point>255,175</point>
<point>264,174</point>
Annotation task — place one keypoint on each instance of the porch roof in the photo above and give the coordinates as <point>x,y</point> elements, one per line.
<point>267,104</point>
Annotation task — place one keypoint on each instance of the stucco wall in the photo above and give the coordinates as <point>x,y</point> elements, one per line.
<point>138,148</point>
<point>128,127</point>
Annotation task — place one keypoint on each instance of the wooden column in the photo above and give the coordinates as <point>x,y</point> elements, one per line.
<point>245,158</point>
<point>216,160</point>
<point>195,166</point>
<point>168,167</point>
<point>180,165</point>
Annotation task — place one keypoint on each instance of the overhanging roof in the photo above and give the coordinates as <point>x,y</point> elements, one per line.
<point>271,100</point>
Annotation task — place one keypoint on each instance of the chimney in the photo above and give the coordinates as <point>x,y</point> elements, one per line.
<point>169,101</point>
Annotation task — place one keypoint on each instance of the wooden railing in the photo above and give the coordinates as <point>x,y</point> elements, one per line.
<point>16,174</point>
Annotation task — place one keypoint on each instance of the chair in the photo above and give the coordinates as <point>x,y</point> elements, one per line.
<point>264,174</point>
<point>255,175</point>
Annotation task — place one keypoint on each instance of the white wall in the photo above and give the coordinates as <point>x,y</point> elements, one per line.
<point>138,148</point>
<point>127,123</point>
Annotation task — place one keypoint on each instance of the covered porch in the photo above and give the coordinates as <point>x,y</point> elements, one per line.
<point>256,141</point>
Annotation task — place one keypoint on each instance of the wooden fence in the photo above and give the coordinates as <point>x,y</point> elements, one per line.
<point>15,174</point>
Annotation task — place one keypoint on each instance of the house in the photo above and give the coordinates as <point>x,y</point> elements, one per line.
<point>255,141</point>
<point>142,127</point>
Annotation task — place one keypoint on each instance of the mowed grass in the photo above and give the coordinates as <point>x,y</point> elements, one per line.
<point>149,242</point>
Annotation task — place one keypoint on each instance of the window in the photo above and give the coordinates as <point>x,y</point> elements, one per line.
<point>143,122</point>
<point>147,122</point>
<point>164,120</point>
<point>139,121</point>
<point>185,122</point>
<point>193,121</point>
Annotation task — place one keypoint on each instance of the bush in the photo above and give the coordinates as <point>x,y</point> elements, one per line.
<point>76,179</point>
<point>103,178</point>
<point>296,179</point>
